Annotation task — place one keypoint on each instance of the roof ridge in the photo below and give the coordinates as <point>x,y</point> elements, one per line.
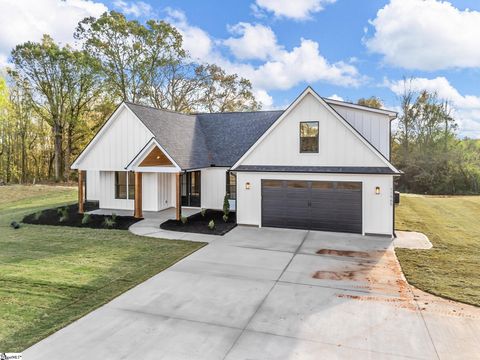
<point>154,108</point>
<point>236,112</point>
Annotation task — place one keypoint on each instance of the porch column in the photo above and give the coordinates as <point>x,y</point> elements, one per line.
<point>138,196</point>
<point>81,195</point>
<point>179,198</point>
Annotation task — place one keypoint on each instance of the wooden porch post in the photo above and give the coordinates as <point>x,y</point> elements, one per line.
<point>179,198</point>
<point>138,195</point>
<point>81,195</point>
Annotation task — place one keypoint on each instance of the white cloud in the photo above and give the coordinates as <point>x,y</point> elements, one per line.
<point>294,9</point>
<point>281,69</point>
<point>336,97</point>
<point>28,20</point>
<point>135,8</point>
<point>195,40</point>
<point>255,41</point>
<point>426,35</point>
<point>466,107</point>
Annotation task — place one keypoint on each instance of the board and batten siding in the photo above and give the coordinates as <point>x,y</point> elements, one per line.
<point>373,126</point>
<point>338,144</point>
<point>93,185</point>
<point>116,145</point>
<point>213,187</point>
<point>377,209</point>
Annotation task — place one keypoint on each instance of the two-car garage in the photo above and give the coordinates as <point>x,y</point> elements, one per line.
<point>313,205</point>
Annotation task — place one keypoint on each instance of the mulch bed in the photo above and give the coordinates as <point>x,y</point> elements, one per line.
<point>73,218</point>
<point>198,224</point>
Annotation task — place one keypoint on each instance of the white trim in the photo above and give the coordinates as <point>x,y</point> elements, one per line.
<point>310,91</point>
<point>149,146</point>
<point>104,128</point>
<point>391,114</point>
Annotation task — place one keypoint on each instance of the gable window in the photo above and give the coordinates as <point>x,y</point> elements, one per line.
<point>309,137</point>
<point>231,185</point>
<point>124,185</point>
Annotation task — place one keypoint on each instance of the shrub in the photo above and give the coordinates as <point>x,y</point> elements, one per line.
<point>114,217</point>
<point>203,212</point>
<point>225,217</point>
<point>63,212</point>
<point>109,222</point>
<point>86,219</point>
<point>37,215</point>
<point>183,219</point>
<point>211,225</point>
<point>226,205</point>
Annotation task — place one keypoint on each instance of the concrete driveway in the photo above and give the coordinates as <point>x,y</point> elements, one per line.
<point>274,294</point>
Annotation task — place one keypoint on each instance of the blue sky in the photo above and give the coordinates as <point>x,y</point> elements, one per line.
<point>342,48</point>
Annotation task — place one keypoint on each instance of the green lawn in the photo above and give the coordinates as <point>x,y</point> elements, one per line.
<point>452,267</point>
<point>50,276</point>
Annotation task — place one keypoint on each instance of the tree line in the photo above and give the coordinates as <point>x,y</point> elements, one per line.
<point>426,147</point>
<point>54,98</point>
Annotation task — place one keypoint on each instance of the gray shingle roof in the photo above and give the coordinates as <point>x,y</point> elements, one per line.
<point>203,140</point>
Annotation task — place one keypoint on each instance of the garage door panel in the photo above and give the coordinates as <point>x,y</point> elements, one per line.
<point>327,206</point>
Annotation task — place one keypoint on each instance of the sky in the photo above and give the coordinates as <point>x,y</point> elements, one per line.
<point>344,49</point>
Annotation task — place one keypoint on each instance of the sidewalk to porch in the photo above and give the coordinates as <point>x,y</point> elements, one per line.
<point>150,225</point>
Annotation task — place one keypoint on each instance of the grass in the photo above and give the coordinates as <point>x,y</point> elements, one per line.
<point>51,276</point>
<point>451,268</point>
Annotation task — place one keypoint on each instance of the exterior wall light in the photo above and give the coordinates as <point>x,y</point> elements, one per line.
<point>377,190</point>
<point>248,185</point>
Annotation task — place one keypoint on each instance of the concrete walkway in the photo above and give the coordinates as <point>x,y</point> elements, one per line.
<point>274,294</point>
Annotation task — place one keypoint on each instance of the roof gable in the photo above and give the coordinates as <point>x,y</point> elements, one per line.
<point>341,144</point>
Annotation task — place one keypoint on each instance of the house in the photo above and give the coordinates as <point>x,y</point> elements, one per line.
<point>321,164</point>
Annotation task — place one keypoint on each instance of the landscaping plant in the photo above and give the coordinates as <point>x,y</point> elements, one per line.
<point>63,212</point>
<point>183,219</point>
<point>203,212</point>
<point>109,222</point>
<point>37,215</point>
<point>225,217</point>
<point>211,225</point>
<point>226,205</point>
<point>86,219</point>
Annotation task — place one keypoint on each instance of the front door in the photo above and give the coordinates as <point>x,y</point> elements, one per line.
<point>191,189</point>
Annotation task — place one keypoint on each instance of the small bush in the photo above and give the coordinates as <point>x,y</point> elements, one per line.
<point>37,215</point>
<point>211,225</point>
<point>203,212</point>
<point>114,217</point>
<point>226,205</point>
<point>109,222</point>
<point>86,219</point>
<point>183,219</point>
<point>63,212</point>
<point>225,217</point>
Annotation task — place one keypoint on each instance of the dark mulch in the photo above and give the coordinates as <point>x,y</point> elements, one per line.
<point>198,224</point>
<point>52,217</point>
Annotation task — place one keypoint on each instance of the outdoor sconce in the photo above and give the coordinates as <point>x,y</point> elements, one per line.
<point>377,190</point>
<point>248,185</point>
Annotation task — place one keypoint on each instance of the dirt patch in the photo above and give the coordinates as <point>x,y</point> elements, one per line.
<point>197,223</point>
<point>69,216</point>
<point>348,253</point>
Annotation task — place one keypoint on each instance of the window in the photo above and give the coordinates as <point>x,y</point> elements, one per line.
<point>190,188</point>
<point>124,185</point>
<point>309,137</point>
<point>231,185</point>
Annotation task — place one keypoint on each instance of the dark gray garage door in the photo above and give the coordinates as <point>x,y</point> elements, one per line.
<point>314,205</point>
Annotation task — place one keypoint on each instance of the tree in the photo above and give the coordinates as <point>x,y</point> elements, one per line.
<point>373,102</point>
<point>129,53</point>
<point>225,92</point>
<point>61,81</point>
